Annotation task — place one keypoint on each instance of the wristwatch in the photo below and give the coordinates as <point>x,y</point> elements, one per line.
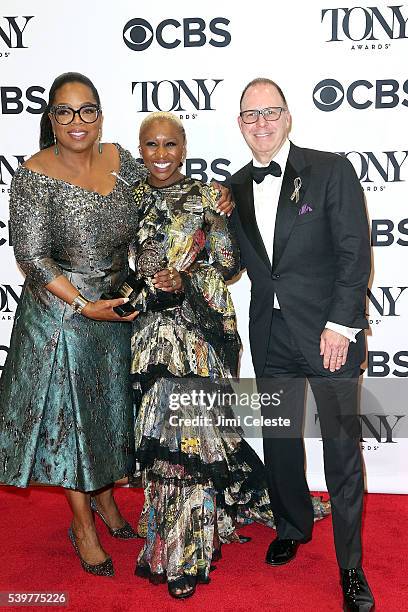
<point>79,303</point>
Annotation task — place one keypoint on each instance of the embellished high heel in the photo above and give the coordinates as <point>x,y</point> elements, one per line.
<point>100,569</point>
<point>124,533</point>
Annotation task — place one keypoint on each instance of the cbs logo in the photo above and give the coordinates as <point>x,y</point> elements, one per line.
<point>379,364</point>
<point>329,94</point>
<point>386,232</point>
<point>138,34</point>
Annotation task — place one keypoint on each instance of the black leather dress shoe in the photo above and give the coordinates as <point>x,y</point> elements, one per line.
<point>357,594</point>
<point>281,551</point>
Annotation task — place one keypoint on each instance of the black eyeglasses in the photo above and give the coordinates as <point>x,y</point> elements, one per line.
<point>272,113</point>
<point>64,115</point>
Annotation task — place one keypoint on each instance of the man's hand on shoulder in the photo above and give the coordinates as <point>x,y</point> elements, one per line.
<point>334,349</point>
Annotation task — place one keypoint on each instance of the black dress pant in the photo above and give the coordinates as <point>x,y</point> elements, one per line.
<point>336,397</point>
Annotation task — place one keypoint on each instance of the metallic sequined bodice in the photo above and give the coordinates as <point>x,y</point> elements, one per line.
<point>73,231</point>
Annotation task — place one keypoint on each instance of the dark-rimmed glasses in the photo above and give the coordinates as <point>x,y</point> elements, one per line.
<point>88,113</point>
<point>272,113</point>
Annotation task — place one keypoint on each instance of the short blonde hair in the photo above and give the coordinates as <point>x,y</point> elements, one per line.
<point>163,116</point>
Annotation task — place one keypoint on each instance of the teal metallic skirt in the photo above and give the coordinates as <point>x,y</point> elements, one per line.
<point>66,412</point>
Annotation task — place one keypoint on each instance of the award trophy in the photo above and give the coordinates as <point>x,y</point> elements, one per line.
<point>149,259</point>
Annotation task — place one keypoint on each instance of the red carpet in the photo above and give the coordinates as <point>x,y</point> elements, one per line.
<point>37,556</point>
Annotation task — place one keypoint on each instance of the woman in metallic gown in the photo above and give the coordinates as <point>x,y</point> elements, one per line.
<point>66,410</point>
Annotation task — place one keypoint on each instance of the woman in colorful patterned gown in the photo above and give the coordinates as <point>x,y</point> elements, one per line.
<point>199,477</point>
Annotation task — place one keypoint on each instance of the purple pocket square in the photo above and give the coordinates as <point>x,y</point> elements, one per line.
<point>305,208</point>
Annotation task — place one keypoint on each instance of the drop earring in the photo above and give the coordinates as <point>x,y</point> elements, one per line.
<point>56,149</point>
<point>99,143</point>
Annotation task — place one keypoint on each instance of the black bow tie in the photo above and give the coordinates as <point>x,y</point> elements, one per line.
<point>259,173</point>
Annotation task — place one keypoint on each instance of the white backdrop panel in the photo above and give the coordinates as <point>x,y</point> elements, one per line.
<point>348,96</point>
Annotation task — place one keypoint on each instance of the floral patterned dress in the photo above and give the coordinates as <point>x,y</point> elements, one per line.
<point>199,476</point>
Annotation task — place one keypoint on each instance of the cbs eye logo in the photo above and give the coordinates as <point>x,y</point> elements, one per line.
<point>139,34</point>
<point>329,94</point>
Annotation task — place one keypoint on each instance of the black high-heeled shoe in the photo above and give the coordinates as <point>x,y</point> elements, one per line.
<point>123,533</point>
<point>99,569</point>
<point>182,583</point>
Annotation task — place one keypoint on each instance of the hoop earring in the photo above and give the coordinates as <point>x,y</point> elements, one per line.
<point>99,143</point>
<point>56,149</point>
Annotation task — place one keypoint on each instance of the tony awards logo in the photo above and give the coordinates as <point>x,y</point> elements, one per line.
<point>177,95</point>
<point>370,28</point>
<point>12,34</point>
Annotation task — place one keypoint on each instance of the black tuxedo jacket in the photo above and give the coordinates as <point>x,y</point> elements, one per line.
<point>321,255</point>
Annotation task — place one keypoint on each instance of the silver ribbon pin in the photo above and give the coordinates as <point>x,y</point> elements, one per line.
<point>297,184</point>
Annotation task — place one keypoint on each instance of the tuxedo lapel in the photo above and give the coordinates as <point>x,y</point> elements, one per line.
<point>288,209</point>
<point>244,197</point>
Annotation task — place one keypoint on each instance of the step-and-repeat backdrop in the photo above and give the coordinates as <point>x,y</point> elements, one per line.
<point>343,69</point>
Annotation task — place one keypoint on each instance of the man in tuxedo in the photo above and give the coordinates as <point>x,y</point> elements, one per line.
<point>301,224</point>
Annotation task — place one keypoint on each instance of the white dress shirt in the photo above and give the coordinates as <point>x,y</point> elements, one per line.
<point>266,198</point>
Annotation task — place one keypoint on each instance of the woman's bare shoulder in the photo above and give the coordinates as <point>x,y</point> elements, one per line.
<point>40,161</point>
